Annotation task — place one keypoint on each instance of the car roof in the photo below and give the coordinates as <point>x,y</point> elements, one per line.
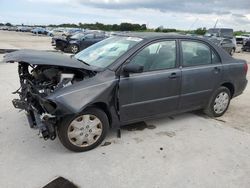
<point>155,35</point>
<point>151,36</point>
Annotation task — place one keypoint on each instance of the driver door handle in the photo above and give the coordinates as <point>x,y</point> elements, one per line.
<point>173,75</point>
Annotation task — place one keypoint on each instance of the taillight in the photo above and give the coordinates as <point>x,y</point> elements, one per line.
<point>245,68</point>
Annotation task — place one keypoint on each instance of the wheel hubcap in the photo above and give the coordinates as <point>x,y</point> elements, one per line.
<point>221,102</point>
<point>84,130</point>
<point>74,49</point>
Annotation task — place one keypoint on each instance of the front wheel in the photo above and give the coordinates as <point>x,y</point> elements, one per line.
<point>84,131</point>
<point>74,48</point>
<point>218,103</point>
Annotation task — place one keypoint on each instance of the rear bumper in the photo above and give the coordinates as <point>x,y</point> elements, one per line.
<point>241,89</point>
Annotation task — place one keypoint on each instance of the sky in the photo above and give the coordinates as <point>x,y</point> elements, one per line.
<point>179,14</point>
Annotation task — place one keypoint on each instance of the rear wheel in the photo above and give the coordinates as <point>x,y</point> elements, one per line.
<point>232,51</point>
<point>84,131</point>
<point>74,48</point>
<point>218,103</point>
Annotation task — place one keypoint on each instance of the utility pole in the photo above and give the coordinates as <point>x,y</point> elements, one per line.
<point>216,23</point>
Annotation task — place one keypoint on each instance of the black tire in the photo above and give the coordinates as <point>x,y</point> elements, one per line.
<point>74,48</point>
<point>232,51</point>
<point>209,110</point>
<point>63,130</point>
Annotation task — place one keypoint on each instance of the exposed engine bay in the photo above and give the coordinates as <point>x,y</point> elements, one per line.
<point>39,81</point>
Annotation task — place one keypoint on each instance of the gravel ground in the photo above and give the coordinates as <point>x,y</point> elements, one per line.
<point>188,150</point>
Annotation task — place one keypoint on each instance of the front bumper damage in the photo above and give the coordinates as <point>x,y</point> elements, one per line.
<point>45,122</point>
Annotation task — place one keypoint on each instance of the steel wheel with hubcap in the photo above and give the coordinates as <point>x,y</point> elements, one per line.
<point>85,131</point>
<point>219,102</point>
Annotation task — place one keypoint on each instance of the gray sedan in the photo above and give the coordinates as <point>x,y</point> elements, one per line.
<point>122,80</point>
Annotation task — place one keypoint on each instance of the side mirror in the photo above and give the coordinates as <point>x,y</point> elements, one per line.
<point>132,68</point>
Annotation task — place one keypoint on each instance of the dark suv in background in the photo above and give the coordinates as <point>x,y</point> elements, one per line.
<point>222,37</point>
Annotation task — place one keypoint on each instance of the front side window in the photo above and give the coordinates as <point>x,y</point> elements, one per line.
<point>195,53</point>
<point>157,56</point>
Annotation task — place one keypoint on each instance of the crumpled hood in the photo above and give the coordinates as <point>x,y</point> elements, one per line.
<point>36,57</point>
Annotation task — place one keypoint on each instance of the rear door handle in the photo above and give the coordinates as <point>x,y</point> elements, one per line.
<point>173,75</point>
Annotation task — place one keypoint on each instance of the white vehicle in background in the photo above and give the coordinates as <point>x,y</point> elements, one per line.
<point>246,35</point>
<point>56,32</point>
<point>12,28</point>
<point>23,29</point>
<point>241,40</point>
<point>4,28</point>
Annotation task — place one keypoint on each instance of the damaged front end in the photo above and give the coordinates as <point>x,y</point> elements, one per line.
<point>37,83</point>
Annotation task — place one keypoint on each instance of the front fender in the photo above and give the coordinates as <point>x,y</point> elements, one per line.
<point>75,98</point>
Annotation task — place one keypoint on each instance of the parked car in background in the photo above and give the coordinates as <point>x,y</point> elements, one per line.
<point>78,42</point>
<point>5,28</point>
<point>246,35</point>
<point>222,37</point>
<point>246,46</point>
<point>226,43</point>
<point>39,30</point>
<point>241,39</point>
<point>121,80</point>
<point>56,32</point>
<point>220,32</point>
<point>23,29</point>
<point>71,32</point>
<point>12,28</point>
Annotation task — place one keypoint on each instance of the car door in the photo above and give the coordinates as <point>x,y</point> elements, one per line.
<point>156,90</point>
<point>201,73</point>
<point>87,40</point>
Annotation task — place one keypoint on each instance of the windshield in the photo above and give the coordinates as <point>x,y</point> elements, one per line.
<point>212,32</point>
<point>227,33</point>
<point>104,53</point>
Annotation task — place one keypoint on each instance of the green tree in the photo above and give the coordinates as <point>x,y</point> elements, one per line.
<point>200,31</point>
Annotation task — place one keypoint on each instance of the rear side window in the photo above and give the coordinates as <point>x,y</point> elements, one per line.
<point>215,58</point>
<point>195,53</point>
